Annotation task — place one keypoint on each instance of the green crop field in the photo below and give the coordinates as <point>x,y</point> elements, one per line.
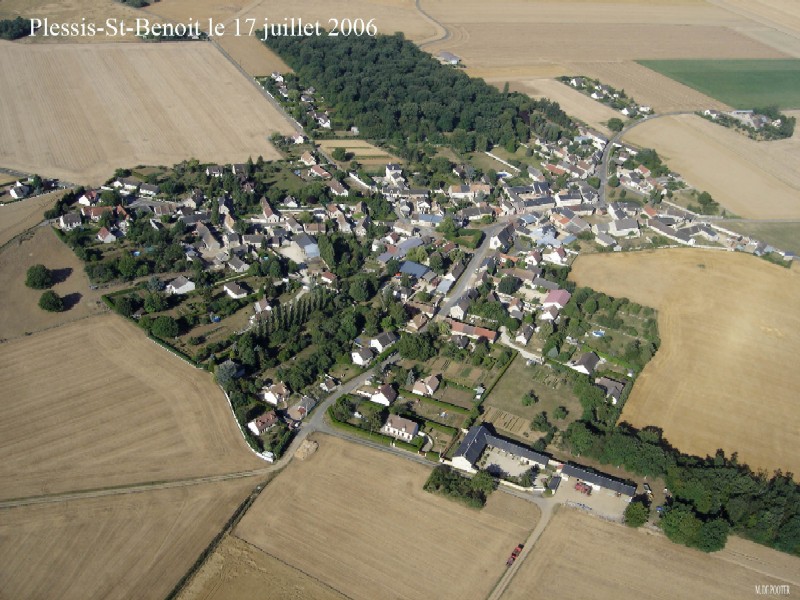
<point>743,84</point>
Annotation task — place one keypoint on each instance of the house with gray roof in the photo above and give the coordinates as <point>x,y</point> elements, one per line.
<point>478,438</point>
<point>598,480</point>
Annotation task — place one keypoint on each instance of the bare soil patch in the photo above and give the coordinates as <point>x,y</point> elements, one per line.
<point>359,520</point>
<point>724,376</point>
<point>126,546</point>
<point>96,404</point>
<point>578,553</point>
<point>21,313</point>
<point>752,179</point>
<point>238,569</point>
<point>149,104</point>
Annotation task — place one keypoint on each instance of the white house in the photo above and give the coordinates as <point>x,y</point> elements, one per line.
<point>383,341</point>
<point>426,386</point>
<point>460,308</point>
<point>400,428</point>
<point>262,306</point>
<point>557,299</point>
<point>234,290</point>
<point>524,334</point>
<point>556,256</point>
<point>263,423</point>
<point>275,393</point>
<point>180,286</point>
<point>362,357</point>
<point>585,364</point>
<point>502,239</point>
<point>384,395</point>
<point>69,221</point>
<point>105,236</point>
<point>623,227</point>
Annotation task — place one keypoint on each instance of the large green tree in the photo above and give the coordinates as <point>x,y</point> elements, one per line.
<point>51,302</point>
<point>39,277</point>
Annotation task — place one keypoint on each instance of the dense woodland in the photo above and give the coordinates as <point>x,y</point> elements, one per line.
<point>391,90</point>
<point>13,29</point>
<point>711,496</point>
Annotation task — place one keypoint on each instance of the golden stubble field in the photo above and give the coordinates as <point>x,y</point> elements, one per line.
<point>96,404</point>
<point>358,520</point>
<point>756,180</point>
<point>126,546</point>
<point>70,11</point>
<point>83,110</point>
<point>726,374</point>
<point>238,570</point>
<point>581,556</point>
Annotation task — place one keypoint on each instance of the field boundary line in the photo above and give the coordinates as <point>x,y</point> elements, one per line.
<point>269,97</point>
<point>291,566</point>
<point>232,522</point>
<point>128,488</point>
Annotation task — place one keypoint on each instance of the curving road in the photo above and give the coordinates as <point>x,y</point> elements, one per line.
<point>445,32</point>
<point>617,137</point>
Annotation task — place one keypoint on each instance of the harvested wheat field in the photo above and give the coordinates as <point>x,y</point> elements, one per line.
<point>752,179</point>
<point>358,520</point>
<point>96,404</point>
<point>252,55</point>
<point>151,104</point>
<point>179,11</point>
<point>579,556</point>
<point>70,11</point>
<point>646,86</point>
<point>772,22</point>
<point>126,546</point>
<point>726,374</point>
<point>16,217</point>
<point>486,35</point>
<point>238,570</point>
<point>573,102</point>
<point>389,15</point>
<point>21,313</point>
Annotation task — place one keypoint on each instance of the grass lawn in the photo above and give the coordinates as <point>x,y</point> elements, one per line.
<point>552,390</point>
<point>518,155</point>
<point>785,236</point>
<point>433,412</point>
<point>457,396</point>
<point>742,84</point>
<point>481,161</point>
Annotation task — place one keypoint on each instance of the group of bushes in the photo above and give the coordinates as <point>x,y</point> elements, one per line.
<point>40,277</point>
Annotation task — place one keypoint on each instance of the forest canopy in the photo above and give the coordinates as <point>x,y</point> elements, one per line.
<point>392,90</point>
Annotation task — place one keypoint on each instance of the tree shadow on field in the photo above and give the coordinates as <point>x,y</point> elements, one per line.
<point>61,275</point>
<point>71,300</point>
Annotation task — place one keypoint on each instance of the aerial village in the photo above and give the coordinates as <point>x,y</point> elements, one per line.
<point>471,272</point>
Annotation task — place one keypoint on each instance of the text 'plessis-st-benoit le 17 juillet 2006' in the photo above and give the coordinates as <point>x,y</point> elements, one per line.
<point>143,27</point>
